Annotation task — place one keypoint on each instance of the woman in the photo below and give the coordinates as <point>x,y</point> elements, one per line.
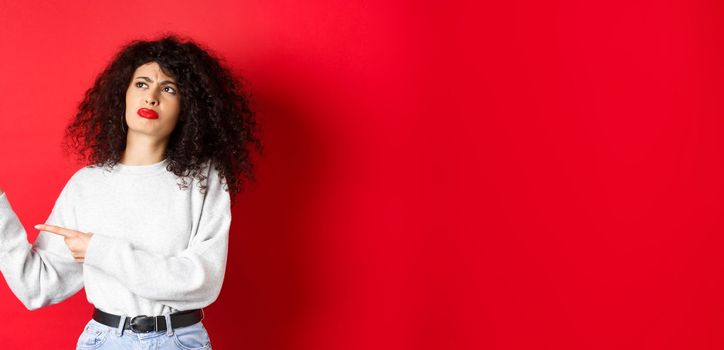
<point>145,226</point>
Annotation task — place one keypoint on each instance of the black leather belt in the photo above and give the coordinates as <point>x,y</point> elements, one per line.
<point>146,324</point>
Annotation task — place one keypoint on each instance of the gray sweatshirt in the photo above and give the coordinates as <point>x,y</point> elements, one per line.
<point>156,248</point>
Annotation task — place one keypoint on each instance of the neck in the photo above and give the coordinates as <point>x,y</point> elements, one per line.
<point>143,150</point>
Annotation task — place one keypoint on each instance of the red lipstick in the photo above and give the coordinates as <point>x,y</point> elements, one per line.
<point>148,113</point>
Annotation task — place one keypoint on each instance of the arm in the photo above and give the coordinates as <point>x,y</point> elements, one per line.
<point>44,273</point>
<point>186,280</point>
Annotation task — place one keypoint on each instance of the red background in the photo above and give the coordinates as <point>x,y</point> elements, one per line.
<point>512,175</point>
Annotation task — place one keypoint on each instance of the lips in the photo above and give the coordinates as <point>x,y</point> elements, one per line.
<point>148,113</point>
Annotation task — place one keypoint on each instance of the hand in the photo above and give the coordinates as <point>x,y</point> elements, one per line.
<point>76,241</point>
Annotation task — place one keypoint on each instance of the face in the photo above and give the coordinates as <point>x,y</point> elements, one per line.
<point>153,102</point>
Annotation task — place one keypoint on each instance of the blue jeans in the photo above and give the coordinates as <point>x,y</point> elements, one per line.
<point>99,336</point>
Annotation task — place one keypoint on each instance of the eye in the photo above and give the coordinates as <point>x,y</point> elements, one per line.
<point>172,90</point>
<point>139,82</point>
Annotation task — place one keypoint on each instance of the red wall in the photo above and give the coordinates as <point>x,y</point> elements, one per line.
<point>511,175</point>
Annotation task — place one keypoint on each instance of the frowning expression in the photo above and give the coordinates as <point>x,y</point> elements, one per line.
<point>153,102</point>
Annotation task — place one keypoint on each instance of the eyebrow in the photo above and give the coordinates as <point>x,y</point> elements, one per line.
<point>151,81</point>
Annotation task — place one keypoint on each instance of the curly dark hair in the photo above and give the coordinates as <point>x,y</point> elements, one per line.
<point>216,122</point>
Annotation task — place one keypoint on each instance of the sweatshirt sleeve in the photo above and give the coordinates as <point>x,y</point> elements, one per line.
<point>189,279</point>
<point>44,273</point>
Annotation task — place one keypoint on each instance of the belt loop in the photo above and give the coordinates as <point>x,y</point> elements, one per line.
<point>119,330</point>
<point>169,328</point>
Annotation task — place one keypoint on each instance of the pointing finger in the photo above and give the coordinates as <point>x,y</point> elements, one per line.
<point>54,229</point>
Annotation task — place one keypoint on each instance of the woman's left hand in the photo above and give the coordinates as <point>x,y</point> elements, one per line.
<point>76,241</point>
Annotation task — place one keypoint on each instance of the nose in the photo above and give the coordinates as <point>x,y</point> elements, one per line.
<point>151,99</point>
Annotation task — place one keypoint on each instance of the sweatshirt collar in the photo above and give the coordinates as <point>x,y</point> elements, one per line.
<point>146,169</point>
